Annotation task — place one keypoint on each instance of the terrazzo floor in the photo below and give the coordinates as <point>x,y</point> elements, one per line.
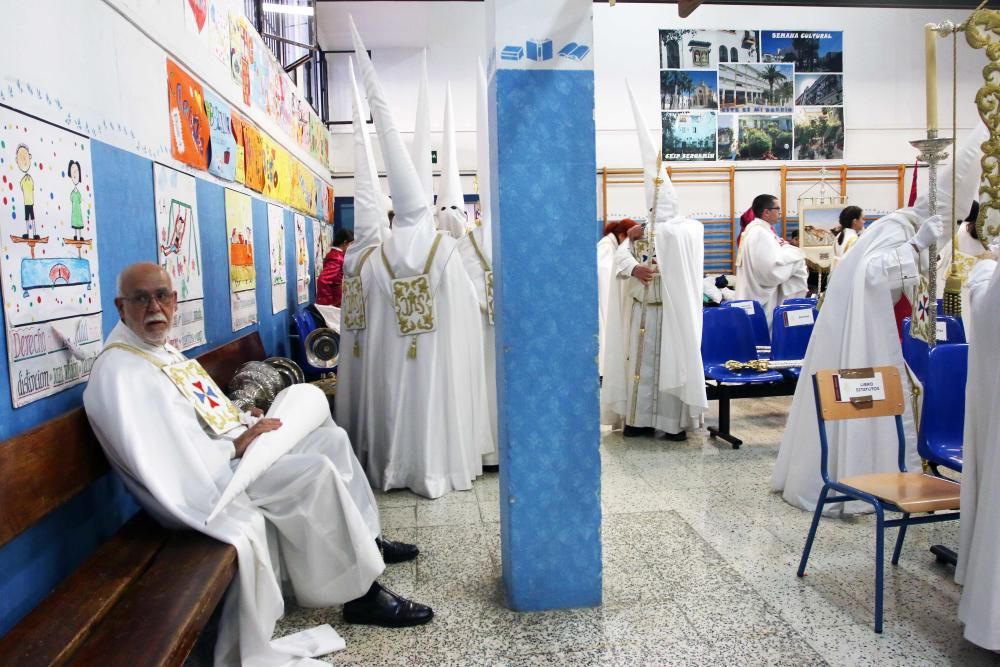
<point>699,569</point>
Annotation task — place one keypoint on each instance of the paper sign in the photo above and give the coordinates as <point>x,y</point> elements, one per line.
<point>745,306</point>
<point>942,331</point>
<point>872,387</point>
<point>799,318</point>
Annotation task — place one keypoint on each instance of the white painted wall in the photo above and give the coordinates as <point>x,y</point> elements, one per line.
<point>883,81</point>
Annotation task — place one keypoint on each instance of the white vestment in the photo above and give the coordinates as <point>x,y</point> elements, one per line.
<point>979,548</point>
<point>856,328</point>
<point>968,249</point>
<point>427,426</point>
<point>842,246</point>
<point>767,269</point>
<point>314,501</point>
<point>606,248</point>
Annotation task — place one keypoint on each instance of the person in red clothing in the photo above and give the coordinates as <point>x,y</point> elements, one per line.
<point>331,278</point>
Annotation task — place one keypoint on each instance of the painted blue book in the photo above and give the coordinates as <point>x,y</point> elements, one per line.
<point>512,52</point>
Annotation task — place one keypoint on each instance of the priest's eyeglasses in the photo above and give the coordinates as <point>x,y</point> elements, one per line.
<point>164,297</point>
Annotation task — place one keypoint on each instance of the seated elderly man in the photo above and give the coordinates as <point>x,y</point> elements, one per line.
<point>309,521</point>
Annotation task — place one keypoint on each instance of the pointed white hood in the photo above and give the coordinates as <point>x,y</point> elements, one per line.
<point>967,158</point>
<point>449,209</point>
<point>666,203</point>
<point>413,224</point>
<point>483,163</point>
<point>371,224</point>
<point>422,133</point>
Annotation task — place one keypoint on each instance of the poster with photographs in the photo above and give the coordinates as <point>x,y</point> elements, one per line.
<point>751,95</point>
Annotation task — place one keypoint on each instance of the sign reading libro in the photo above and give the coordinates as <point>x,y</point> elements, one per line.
<point>751,95</point>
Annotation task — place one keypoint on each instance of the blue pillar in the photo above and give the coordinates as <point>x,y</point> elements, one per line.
<point>544,208</point>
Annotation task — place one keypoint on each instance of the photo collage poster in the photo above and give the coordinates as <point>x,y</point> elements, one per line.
<point>242,274</point>
<point>276,247</point>
<point>48,257</point>
<point>301,260</point>
<point>751,95</point>
<point>178,243</point>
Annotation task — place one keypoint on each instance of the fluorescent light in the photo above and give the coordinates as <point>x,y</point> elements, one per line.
<point>298,10</point>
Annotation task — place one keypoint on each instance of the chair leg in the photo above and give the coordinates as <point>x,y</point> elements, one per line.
<point>899,541</point>
<point>879,565</point>
<point>812,530</point>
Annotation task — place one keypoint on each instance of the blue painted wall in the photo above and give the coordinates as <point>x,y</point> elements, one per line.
<point>36,561</point>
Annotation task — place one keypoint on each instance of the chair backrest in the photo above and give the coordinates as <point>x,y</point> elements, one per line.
<point>726,335</point>
<point>914,352</point>
<point>954,329</point>
<point>833,404</point>
<point>790,330</point>
<point>942,420</point>
<point>758,319</point>
<point>799,300</point>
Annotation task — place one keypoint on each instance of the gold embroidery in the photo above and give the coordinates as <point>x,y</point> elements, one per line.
<point>487,275</point>
<point>413,300</point>
<point>352,304</point>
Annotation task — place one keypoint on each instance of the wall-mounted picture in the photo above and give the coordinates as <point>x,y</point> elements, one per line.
<point>683,90</point>
<point>705,49</point>
<point>764,137</point>
<point>756,88</point>
<point>819,133</point>
<point>689,136</point>
<point>809,51</point>
<point>729,136</point>
<point>819,90</point>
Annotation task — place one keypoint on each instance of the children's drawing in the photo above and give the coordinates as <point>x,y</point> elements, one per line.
<point>242,275</point>
<point>301,260</point>
<point>189,128</point>
<point>279,269</point>
<point>178,240</point>
<point>222,144</point>
<point>48,256</point>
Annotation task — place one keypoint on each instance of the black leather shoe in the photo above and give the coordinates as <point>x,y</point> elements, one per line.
<point>636,431</point>
<point>676,437</point>
<point>396,552</point>
<point>380,606</point>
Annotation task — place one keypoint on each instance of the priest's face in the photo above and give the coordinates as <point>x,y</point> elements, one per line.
<point>146,302</point>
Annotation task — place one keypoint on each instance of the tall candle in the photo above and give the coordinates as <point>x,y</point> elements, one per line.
<point>930,54</point>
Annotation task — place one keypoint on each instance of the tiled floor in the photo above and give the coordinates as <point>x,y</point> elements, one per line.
<point>699,569</point>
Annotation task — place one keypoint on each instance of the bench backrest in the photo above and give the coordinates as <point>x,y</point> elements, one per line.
<point>44,467</point>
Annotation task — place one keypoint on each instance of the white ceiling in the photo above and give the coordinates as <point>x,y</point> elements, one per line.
<point>401,24</point>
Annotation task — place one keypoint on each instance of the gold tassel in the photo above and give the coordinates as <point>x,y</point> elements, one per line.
<point>952,302</point>
<point>357,348</point>
<point>412,352</point>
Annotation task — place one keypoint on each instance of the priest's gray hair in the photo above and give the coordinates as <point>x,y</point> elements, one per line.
<point>119,286</point>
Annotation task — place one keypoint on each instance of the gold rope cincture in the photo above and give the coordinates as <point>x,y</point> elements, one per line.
<point>359,322</point>
<point>657,182</point>
<point>422,284</point>
<point>487,274</point>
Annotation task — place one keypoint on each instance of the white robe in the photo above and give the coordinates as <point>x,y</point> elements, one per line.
<point>768,270</point>
<point>669,345</point>
<point>971,248</point>
<point>856,328</point>
<point>606,248</point>
<point>177,470</point>
<point>477,274</point>
<point>979,547</point>
<point>427,426</point>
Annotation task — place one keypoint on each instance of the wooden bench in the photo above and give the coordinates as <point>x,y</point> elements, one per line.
<point>142,597</point>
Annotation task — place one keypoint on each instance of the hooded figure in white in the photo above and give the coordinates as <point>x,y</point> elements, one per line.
<point>671,385</point>
<point>968,250</point>
<point>768,270</point>
<point>429,427</point>
<point>978,566</point>
<point>476,244</point>
<point>356,387</point>
<point>449,209</point>
<point>422,134</point>
<point>177,468</point>
<point>856,328</point>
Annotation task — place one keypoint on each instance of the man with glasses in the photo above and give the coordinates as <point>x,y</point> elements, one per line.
<point>310,520</point>
<point>768,270</point>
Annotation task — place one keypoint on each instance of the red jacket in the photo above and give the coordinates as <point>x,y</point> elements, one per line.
<point>331,279</point>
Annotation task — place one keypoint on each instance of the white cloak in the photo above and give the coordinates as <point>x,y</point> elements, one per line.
<point>606,248</point>
<point>979,548</point>
<point>427,425</point>
<point>970,247</point>
<point>856,328</point>
<point>768,270</point>
<point>176,470</point>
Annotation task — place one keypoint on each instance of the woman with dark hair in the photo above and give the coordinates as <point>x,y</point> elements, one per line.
<point>852,223</point>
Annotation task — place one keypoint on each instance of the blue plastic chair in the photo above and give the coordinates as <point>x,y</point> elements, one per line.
<point>915,351</point>
<point>799,301</point>
<point>727,335</point>
<point>903,492</point>
<point>788,343</point>
<point>303,324</point>
<point>761,335</point>
<point>942,420</point>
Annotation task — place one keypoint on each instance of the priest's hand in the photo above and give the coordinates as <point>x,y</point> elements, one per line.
<point>645,274</point>
<point>636,232</point>
<point>929,232</point>
<point>256,412</point>
<point>246,439</point>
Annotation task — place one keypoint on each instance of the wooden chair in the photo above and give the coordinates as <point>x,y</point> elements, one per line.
<point>903,492</point>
